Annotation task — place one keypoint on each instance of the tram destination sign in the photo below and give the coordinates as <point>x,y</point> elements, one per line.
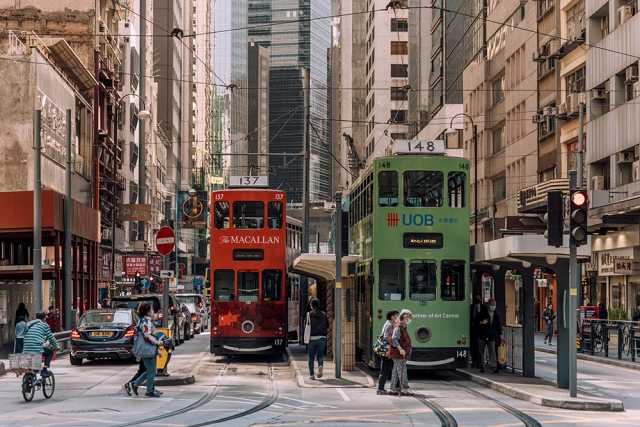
<point>249,181</point>
<point>419,146</point>
<point>423,240</point>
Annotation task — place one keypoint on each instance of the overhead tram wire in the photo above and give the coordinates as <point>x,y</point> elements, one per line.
<point>328,150</point>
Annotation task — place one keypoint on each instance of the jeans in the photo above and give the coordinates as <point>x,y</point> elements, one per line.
<point>18,345</point>
<point>316,350</point>
<point>385,370</point>
<point>491,345</point>
<point>548,332</point>
<point>149,375</point>
<point>141,370</point>
<point>48,355</point>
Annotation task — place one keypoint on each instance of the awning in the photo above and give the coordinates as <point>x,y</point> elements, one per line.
<point>69,62</point>
<point>321,267</point>
<point>524,248</point>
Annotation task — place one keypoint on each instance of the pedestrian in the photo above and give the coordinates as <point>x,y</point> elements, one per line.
<point>105,303</point>
<point>386,363</point>
<point>473,347</point>
<point>22,311</point>
<point>636,313</point>
<point>148,330</point>
<point>318,338</point>
<point>129,386</point>
<point>400,352</point>
<point>36,333</point>
<point>51,319</point>
<point>603,313</point>
<point>18,341</point>
<point>489,329</point>
<point>548,317</point>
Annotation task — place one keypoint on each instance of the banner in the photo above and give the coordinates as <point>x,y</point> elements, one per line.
<point>155,264</point>
<point>193,209</point>
<point>133,263</point>
<point>134,212</point>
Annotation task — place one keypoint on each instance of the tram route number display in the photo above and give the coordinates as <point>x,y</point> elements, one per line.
<point>278,342</point>
<point>423,240</point>
<point>416,146</point>
<point>461,354</point>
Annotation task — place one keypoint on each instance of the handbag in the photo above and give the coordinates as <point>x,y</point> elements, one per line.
<point>142,348</point>
<point>381,347</point>
<point>502,354</point>
<point>307,330</point>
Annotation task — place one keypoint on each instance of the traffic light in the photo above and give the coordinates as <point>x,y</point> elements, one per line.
<point>578,201</point>
<point>137,284</point>
<point>554,218</point>
<point>152,285</point>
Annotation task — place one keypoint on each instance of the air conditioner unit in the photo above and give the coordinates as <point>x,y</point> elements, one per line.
<point>625,157</point>
<point>624,14</point>
<point>636,89</point>
<point>538,57</point>
<point>635,171</point>
<point>598,94</point>
<point>571,31</point>
<point>561,110</point>
<point>106,234</point>
<point>631,74</point>
<point>597,182</point>
<point>102,26</point>
<point>124,28</point>
<point>548,111</point>
<point>552,47</point>
<point>572,103</point>
<point>607,86</point>
<point>538,118</point>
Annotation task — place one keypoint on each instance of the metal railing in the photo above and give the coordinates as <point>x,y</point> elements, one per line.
<point>620,336</point>
<point>64,340</point>
<point>513,335</point>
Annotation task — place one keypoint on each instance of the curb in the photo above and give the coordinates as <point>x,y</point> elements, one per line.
<point>171,381</point>
<point>602,405</point>
<point>297,374</point>
<point>601,360</point>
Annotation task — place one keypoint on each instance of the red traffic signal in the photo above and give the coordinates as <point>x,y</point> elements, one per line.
<point>579,202</point>
<point>579,199</point>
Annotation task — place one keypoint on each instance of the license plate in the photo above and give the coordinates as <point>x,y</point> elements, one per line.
<point>101,334</point>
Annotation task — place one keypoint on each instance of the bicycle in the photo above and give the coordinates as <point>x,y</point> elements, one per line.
<point>29,365</point>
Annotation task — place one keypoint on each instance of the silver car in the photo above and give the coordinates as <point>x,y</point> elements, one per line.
<point>198,308</point>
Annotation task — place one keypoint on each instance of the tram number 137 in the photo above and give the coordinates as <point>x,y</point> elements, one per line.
<point>277,342</point>
<point>461,354</point>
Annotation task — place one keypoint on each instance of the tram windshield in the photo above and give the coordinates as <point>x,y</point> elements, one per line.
<point>388,188</point>
<point>248,215</point>
<point>423,281</point>
<point>221,215</point>
<point>423,188</point>
<point>391,280</point>
<point>223,286</point>
<point>248,285</point>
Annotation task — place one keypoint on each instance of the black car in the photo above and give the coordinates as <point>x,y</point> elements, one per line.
<point>103,334</point>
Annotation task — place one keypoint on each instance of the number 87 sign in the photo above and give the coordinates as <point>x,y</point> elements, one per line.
<point>416,146</point>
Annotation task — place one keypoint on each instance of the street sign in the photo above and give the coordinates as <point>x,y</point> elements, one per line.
<point>145,283</point>
<point>167,274</point>
<point>165,240</point>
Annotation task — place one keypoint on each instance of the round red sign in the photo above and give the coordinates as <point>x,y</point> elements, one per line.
<point>165,240</point>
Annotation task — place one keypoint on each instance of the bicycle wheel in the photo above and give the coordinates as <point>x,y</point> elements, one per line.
<point>28,387</point>
<point>48,385</point>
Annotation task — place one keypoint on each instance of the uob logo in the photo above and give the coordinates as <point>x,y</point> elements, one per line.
<point>419,220</point>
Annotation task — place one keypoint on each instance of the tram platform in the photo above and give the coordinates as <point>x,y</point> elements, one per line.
<point>300,370</point>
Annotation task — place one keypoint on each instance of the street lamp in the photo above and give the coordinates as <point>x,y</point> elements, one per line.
<point>450,131</point>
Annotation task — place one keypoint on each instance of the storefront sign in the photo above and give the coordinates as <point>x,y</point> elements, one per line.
<point>525,195</point>
<point>606,260</point>
<point>622,266</point>
<point>133,263</point>
<point>134,212</point>
<point>155,264</point>
<point>193,209</point>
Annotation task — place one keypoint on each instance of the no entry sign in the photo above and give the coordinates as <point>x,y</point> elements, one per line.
<point>165,240</point>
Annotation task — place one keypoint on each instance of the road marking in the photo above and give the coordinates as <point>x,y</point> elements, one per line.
<point>343,394</point>
<point>317,405</point>
<point>541,361</point>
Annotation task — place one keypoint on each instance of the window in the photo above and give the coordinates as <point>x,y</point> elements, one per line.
<point>457,194</point>
<point>388,188</point>
<point>424,281</point>
<point>248,286</point>
<point>248,215</point>
<point>272,285</point>
<point>396,136</point>
<point>399,70</point>
<point>221,215</point>
<point>398,116</point>
<point>274,215</point>
<point>576,81</point>
<point>399,25</point>
<point>399,94</point>
<point>452,281</point>
<point>399,48</point>
<point>223,285</point>
<point>391,286</point>
<point>423,188</point>
<point>500,188</point>
<point>498,139</point>
<point>498,90</point>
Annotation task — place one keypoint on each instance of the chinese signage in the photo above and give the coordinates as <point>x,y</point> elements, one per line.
<point>193,209</point>
<point>498,40</point>
<point>134,212</point>
<point>106,266</point>
<point>607,260</point>
<point>155,264</point>
<point>622,266</point>
<point>133,263</point>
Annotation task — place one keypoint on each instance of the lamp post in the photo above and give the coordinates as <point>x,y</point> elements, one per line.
<point>450,131</point>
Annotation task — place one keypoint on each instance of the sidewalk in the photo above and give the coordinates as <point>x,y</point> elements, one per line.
<point>539,391</point>
<point>300,370</point>
<point>613,360</point>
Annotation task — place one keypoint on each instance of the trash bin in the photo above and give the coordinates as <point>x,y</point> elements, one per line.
<point>165,356</point>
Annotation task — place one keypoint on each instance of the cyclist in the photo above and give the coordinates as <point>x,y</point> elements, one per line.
<point>36,333</point>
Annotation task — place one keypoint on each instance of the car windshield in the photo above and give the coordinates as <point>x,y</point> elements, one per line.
<point>135,303</point>
<point>191,307</point>
<point>106,318</point>
<point>188,299</point>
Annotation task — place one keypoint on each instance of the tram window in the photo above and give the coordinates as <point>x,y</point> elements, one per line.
<point>391,283</point>
<point>274,215</point>
<point>221,215</point>
<point>248,215</point>
<point>457,196</point>
<point>452,281</point>
<point>388,188</point>
<point>223,285</point>
<point>423,281</point>
<point>248,285</point>
<point>272,285</point>
<point>423,189</point>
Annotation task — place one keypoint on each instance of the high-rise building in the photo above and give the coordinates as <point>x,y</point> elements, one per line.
<point>258,107</point>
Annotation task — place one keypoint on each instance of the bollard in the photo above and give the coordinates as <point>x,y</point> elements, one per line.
<point>162,361</point>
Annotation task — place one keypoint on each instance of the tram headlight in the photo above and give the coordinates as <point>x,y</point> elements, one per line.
<point>423,334</point>
<point>247,327</point>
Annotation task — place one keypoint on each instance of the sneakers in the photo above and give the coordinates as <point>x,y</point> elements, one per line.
<point>134,387</point>
<point>153,393</point>
<point>127,388</point>
<point>312,377</point>
<point>45,372</point>
<point>550,343</point>
<point>381,392</point>
<point>320,371</point>
<point>545,341</point>
<point>394,392</point>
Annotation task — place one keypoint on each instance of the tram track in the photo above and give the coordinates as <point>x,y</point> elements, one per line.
<point>446,419</point>
<point>269,399</point>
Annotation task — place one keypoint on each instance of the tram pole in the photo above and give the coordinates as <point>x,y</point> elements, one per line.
<point>337,333</point>
<point>37,215</point>
<point>304,280</point>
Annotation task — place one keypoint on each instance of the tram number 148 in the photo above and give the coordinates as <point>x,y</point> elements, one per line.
<point>461,354</point>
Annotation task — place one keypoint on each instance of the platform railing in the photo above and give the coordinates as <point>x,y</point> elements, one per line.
<point>513,335</point>
<point>603,336</point>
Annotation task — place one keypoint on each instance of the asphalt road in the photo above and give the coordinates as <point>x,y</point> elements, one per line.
<point>255,391</point>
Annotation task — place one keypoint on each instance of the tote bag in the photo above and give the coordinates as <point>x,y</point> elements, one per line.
<point>307,329</point>
<point>502,354</point>
<point>142,348</point>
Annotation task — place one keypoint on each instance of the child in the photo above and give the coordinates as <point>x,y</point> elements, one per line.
<point>18,343</point>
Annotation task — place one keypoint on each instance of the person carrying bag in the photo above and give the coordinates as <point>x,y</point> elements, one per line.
<point>145,346</point>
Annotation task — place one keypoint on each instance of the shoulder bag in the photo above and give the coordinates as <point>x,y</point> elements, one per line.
<point>307,330</point>
<point>381,347</point>
<point>142,348</point>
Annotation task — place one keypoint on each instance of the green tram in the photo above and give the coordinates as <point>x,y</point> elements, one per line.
<point>409,222</point>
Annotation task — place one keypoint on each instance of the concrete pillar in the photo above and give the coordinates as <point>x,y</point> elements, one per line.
<point>348,324</point>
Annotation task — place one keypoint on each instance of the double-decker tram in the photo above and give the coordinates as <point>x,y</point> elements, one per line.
<point>409,222</point>
<point>249,304</point>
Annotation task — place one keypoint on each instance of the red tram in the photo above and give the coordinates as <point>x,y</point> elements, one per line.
<point>248,272</point>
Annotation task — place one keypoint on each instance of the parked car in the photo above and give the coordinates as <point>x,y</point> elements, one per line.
<point>104,334</point>
<point>198,309</point>
<point>176,318</point>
